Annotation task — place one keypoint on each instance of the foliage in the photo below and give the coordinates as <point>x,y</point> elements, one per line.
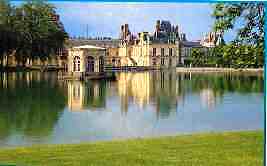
<point>236,56</point>
<point>203,57</point>
<point>30,30</point>
<point>247,50</point>
<point>198,57</point>
<point>251,14</point>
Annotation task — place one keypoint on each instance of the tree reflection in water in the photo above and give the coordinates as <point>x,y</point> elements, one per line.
<point>31,103</point>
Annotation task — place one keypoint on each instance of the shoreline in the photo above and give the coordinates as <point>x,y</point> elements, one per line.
<point>217,70</point>
<point>194,149</point>
<point>178,69</point>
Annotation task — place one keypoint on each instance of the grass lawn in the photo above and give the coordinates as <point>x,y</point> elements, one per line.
<point>243,148</point>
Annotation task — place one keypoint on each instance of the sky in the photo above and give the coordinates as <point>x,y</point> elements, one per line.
<point>105,18</point>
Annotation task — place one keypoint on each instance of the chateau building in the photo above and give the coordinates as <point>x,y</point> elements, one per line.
<point>86,59</point>
<point>166,47</point>
<point>159,50</point>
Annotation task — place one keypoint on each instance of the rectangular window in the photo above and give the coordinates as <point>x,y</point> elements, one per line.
<point>154,52</point>
<point>162,51</point>
<point>162,61</point>
<point>170,51</point>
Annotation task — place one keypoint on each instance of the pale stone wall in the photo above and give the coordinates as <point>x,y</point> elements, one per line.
<point>165,60</point>
<point>124,54</point>
<point>142,55</point>
<point>72,54</point>
<point>83,54</point>
<point>112,57</point>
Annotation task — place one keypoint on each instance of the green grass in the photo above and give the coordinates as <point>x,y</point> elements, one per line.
<point>243,148</point>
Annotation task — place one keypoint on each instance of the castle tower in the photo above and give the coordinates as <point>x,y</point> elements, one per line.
<point>157,30</point>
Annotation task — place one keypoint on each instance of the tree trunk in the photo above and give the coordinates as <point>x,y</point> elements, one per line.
<point>2,63</point>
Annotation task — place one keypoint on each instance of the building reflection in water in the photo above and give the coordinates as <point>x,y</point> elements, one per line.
<point>164,92</point>
<point>86,95</point>
<point>76,95</point>
<point>159,89</point>
<point>142,104</point>
<point>208,99</point>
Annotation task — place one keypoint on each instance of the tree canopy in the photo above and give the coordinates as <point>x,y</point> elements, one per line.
<point>247,49</point>
<point>30,30</point>
<point>251,30</point>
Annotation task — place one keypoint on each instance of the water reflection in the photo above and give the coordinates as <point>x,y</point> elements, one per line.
<point>30,105</point>
<point>86,96</point>
<point>38,108</point>
<point>142,89</point>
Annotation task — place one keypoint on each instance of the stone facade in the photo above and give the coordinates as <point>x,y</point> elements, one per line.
<point>86,59</point>
<point>166,47</point>
<point>159,55</point>
<point>160,50</point>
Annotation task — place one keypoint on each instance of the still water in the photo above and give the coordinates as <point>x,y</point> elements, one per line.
<point>37,108</point>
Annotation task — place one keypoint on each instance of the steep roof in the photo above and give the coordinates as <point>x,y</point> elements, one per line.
<point>99,43</point>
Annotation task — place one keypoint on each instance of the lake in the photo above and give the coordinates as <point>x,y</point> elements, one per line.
<point>37,108</point>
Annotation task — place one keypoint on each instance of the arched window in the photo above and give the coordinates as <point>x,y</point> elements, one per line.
<point>90,64</point>
<point>76,63</point>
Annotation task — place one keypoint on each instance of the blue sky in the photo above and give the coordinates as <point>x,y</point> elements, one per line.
<point>105,18</point>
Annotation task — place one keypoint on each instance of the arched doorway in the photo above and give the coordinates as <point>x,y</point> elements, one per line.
<point>76,63</point>
<point>101,64</point>
<point>90,64</point>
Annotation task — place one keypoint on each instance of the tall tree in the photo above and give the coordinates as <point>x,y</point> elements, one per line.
<point>42,31</point>
<point>30,30</point>
<point>251,32</point>
<point>8,34</point>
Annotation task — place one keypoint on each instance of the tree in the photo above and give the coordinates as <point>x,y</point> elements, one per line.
<point>42,34</point>
<point>30,30</point>
<point>8,33</point>
<point>198,57</point>
<point>250,32</point>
